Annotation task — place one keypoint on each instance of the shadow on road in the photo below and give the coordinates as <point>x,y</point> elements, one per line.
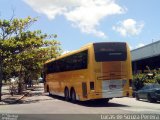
<point>100,104</point>
<point>92,103</point>
<point>25,99</point>
<point>28,100</point>
<point>31,95</point>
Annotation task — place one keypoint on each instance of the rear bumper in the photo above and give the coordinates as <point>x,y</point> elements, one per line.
<point>99,95</point>
<point>112,94</point>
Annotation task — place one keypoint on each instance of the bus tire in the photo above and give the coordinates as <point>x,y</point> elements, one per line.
<point>73,96</point>
<point>66,94</point>
<point>150,99</point>
<point>137,97</point>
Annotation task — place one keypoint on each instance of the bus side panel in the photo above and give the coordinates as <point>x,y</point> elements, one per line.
<point>79,83</point>
<point>72,79</point>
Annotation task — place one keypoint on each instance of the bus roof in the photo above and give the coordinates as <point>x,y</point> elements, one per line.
<point>76,51</point>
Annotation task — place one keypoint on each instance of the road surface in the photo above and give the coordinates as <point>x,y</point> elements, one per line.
<point>44,105</point>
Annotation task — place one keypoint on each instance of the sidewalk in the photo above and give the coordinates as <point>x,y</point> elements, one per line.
<point>32,95</point>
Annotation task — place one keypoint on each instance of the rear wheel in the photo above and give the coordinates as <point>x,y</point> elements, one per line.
<point>137,97</point>
<point>66,94</point>
<point>73,96</point>
<point>150,99</point>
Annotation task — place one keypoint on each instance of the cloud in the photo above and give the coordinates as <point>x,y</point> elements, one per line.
<point>140,45</point>
<point>137,46</point>
<point>131,47</point>
<point>129,27</point>
<point>65,52</point>
<point>83,14</point>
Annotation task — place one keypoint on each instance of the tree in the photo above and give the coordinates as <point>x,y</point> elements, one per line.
<point>23,51</point>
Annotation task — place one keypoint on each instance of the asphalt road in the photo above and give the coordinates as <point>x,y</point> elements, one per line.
<point>44,105</point>
<point>56,105</point>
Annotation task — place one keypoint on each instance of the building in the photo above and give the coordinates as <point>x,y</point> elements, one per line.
<point>148,55</point>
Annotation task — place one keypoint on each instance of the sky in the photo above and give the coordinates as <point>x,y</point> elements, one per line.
<point>79,22</point>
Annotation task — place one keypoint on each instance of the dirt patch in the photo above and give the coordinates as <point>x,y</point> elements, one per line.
<point>31,95</point>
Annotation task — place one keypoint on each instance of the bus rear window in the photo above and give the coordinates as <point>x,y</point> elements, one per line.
<point>111,51</point>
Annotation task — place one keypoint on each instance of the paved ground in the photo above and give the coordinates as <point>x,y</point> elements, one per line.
<point>40,103</point>
<point>55,105</point>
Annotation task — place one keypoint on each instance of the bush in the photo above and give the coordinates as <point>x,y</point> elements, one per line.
<point>139,80</point>
<point>158,78</point>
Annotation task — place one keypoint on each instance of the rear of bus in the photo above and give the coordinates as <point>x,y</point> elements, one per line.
<point>112,70</point>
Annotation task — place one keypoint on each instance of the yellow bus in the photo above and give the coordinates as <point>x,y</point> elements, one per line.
<point>97,71</point>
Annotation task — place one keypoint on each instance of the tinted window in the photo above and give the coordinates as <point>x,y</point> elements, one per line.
<point>155,86</point>
<point>146,87</point>
<point>74,62</point>
<point>110,52</point>
<point>151,86</point>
